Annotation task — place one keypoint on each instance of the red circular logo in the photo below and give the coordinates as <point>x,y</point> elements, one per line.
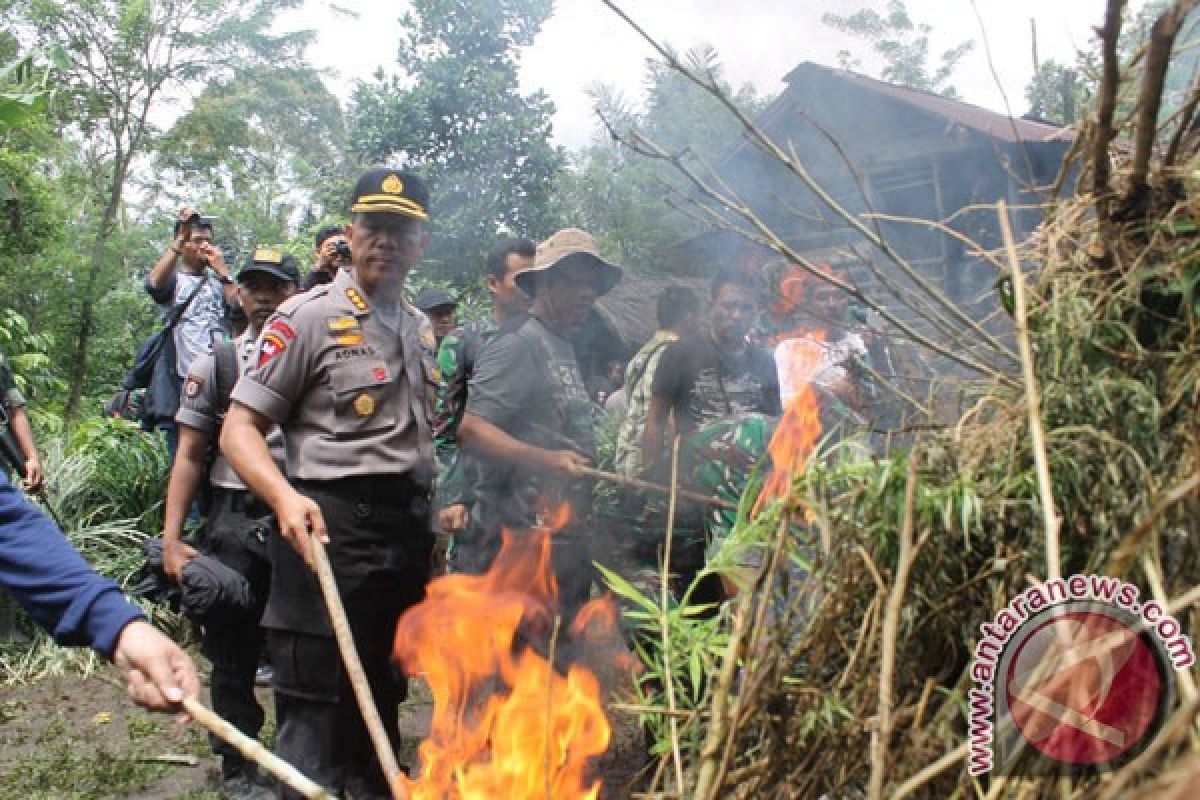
<point>1084,688</point>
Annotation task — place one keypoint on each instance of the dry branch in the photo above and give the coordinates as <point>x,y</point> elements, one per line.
<point>891,627</point>
<point>1158,58</point>
<point>1033,403</point>
<point>1103,133</point>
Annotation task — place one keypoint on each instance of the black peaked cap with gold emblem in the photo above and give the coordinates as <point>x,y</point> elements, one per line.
<point>390,191</point>
<point>273,262</point>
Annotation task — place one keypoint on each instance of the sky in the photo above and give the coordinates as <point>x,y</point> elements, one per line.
<point>758,42</point>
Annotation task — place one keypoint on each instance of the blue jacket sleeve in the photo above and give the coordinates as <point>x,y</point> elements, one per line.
<point>52,581</point>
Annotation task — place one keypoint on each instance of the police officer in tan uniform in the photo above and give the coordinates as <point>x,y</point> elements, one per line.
<point>237,520</point>
<point>347,372</point>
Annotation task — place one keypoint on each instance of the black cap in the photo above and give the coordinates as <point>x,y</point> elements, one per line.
<point>197,220</point>
<point>389,191</point>
<point>272,262</point>
<point>434,297</point>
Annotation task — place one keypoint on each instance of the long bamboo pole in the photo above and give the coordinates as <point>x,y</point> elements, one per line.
<point>354,668</point>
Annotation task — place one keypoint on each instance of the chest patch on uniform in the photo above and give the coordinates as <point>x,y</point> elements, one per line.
<point>364,405</point>
<point>272,344</point>
<point>341,324</point>
<point>353,352</point>
<point>282,329</point>
<point>380,373</point>
<point>193,386</point>
<point>356,299</point>
<point>349,339</point>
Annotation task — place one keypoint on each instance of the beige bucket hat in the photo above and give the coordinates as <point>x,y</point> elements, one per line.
<point>562,245</point>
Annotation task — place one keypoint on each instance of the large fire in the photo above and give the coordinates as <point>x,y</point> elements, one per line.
<point>506,724</point>
<point>798,360</point>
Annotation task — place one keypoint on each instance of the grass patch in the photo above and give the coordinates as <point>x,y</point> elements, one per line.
<point>59,771</point>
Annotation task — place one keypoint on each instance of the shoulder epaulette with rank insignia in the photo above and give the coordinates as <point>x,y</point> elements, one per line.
<point>356,299</point>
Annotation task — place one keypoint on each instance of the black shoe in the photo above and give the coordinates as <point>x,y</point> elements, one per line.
<point>239,786</point>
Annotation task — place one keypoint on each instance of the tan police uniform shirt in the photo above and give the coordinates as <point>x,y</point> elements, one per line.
<point>353,398</point>
<point>200,407</point>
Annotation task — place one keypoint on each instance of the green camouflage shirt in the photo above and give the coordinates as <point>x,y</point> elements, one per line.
<point>456,363</point>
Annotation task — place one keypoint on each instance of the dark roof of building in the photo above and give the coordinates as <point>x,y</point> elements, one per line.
<point>990,123</point>
<point>631,307</point>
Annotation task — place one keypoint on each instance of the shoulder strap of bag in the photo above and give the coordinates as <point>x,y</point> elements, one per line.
<point>226,373</point>
<point>176,313</point>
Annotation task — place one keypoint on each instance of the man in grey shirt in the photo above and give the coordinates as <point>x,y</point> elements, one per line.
<point>529,418</point>
<point>191,270</point>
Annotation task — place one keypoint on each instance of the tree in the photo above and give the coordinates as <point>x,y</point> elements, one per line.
<point>1060,93</point>
<point>455,114</point>
<point>903,45</point>
<point>624,198</point>
<point>116,61</point>
<point>259,150</point>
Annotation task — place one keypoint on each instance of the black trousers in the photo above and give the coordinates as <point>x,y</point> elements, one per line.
<point>236,536</point>
<point>380,549</point>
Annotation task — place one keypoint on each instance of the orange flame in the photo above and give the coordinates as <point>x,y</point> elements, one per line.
<point>506,724</point>
<point>798,360</point>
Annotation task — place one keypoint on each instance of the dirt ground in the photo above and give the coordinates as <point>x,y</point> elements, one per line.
<point>76,738</point>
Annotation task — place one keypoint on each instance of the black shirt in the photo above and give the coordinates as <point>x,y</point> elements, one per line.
<point>527,383</point>
<point>703,383</point>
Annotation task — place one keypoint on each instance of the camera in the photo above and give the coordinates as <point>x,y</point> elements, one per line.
<point>194,220</point>
<point>341,248</point>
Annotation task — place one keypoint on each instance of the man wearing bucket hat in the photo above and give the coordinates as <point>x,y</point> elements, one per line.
<point>347,371</point>
<point>238,521</point>
<point>528,414</point>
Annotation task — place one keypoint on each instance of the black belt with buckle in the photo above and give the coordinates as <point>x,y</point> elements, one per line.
<point>244,502</point>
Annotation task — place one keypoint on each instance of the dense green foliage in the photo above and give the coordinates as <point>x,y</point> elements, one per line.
<point>455,114</point>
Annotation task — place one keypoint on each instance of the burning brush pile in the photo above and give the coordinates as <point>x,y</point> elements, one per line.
<point>518,708</point>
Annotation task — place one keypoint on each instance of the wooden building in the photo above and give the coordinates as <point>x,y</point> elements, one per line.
<point>879,148</point>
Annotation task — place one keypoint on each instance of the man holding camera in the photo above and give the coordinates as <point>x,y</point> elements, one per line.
<point>191,271</point>
<point>332,253</point>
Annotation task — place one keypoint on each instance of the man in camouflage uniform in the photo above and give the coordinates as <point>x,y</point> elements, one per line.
<point>456,362</point>
<point>238,521</point>
<point>347,371</point>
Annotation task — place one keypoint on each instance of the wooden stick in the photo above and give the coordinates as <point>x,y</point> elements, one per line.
<point>354,668</point>
<point>891,629</point>
<point>254,751</point>
<point>929,773</point>
<point>664,624</point>
<point>1036,435</point>
<point>638,483</point>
